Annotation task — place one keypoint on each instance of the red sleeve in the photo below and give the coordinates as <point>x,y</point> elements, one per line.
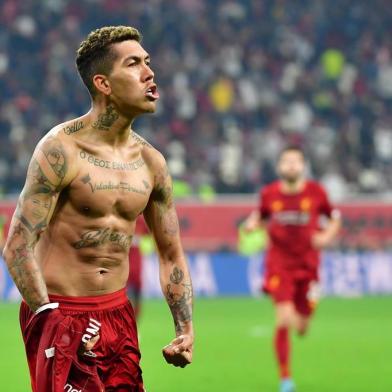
<point>326,207</point>
<point>263,205</point>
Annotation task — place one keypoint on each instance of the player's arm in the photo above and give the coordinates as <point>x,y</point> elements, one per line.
<point>254,221</point>
<point>46,176</point>
<point>325,237</point>
<point>258,218</point>
<point>161,217</point>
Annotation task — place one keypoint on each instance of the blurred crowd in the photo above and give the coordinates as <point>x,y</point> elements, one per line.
<point>238,79</point>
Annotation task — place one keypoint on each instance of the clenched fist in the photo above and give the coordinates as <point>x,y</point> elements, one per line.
<point>179,351</point>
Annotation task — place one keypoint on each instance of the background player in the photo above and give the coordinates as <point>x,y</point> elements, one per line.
<point>67,250</point>
<point>290,209</point>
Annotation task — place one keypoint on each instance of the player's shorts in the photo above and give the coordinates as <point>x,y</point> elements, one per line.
<point>303,292</point>
<point>53,340</point>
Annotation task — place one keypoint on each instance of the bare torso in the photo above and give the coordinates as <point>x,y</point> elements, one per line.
<point>87,182</point>
<point>84,250</point>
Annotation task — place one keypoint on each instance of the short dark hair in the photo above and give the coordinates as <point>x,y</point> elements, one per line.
<point>291,148</point>
<point>95,54</point>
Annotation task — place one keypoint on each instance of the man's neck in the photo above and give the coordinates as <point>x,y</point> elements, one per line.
<point>109,125</point>
<point>293,187</point>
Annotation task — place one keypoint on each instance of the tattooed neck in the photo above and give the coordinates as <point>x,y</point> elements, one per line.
<point>106,119</point>
<point>74,127</point>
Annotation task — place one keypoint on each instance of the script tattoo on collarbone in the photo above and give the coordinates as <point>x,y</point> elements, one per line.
<point>111,165</point>
<point>75,127</point>
<point>111,186</point>
<point>98,237</point>
<point>140,140</point>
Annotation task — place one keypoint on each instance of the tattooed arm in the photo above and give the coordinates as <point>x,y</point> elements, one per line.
<point>175,279</point>
<point>46,176</point>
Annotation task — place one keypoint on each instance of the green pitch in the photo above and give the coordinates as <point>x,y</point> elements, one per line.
<point>348,349</point>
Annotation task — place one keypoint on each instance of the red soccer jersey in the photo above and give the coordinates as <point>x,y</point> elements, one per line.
<point>292,220</point>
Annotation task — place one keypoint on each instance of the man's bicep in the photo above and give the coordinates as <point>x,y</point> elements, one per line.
<point>162,221</point>
<point>160,213</point>
<point>45,179</point>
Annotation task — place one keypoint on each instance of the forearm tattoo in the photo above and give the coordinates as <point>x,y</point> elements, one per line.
<point>179,297</point>
<point>44,178</point>
<point>24,270</point>
<point>178,287</point>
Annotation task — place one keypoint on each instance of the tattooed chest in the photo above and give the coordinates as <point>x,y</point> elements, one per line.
<point>110,164</point>
<point>120,184</point>
<point>95,195</point>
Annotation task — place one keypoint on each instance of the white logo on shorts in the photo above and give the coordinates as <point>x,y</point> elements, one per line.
<point>70,388</point>
<point>49,352</point>
<point>93,328</point>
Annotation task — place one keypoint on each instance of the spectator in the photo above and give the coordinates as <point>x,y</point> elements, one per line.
<point>238,80</point>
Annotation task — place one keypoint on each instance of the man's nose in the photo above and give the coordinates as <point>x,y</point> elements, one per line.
<point>148,74</point>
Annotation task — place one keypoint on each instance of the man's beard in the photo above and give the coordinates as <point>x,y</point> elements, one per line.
<point>291,179</point>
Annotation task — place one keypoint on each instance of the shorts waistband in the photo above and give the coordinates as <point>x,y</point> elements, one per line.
<point>93,303</point>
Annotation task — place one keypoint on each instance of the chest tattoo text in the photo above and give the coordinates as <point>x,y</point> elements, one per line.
<point>111,165</point>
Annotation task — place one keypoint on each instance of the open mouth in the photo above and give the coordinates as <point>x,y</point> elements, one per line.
<point>152,93</point>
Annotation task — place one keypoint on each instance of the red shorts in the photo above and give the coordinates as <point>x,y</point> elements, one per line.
<point>53,339</point>
<point>285,287</point>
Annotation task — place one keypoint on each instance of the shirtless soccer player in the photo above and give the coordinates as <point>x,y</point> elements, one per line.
<point>290,210</point>
<point>67,251</point>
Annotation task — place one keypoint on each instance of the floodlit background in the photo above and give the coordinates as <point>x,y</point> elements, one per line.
<point>239,80</point>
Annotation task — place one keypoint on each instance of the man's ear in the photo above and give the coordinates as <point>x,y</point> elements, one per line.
<point>101,84</point>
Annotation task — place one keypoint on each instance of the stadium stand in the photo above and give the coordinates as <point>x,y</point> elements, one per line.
<point>232,95</point>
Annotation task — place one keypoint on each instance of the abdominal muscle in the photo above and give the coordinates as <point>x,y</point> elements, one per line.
<point>82,272</point>
<point>86,253</point>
